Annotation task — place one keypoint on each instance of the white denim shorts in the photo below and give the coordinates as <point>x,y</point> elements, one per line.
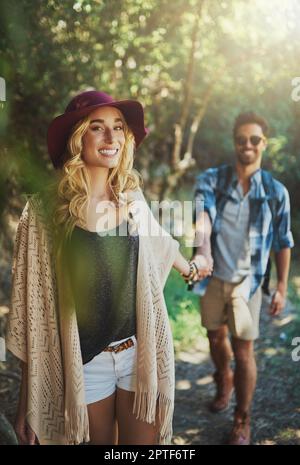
<point>109,370</point>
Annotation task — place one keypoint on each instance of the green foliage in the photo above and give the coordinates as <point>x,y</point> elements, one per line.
<point>50,50</point>
<point>183,309</point>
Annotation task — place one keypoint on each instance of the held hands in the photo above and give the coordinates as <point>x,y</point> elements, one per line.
<point>204,264</point>
<point>200,268</point>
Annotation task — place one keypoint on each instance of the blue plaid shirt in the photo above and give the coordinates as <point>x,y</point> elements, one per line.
<point>267,229</point>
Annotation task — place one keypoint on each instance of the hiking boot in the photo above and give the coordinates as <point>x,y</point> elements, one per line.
<point>224,383</point>
<point>240,433</point>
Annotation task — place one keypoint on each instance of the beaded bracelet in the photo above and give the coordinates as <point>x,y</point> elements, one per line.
<point>193,271</point>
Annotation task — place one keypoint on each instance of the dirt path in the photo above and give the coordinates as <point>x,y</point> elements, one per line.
<point>276,407</point>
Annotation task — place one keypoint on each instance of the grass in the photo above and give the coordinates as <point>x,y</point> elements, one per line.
<point>183,309</point>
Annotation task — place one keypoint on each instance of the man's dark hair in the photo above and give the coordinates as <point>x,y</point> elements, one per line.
<point>250,118</point>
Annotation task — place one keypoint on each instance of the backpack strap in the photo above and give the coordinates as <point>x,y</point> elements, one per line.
<point>224,178</point>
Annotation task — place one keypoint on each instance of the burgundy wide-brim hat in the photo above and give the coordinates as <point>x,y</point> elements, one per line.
<point>79,107</point>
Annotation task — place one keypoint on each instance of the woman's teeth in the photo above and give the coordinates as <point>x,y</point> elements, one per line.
<point>108,152</point>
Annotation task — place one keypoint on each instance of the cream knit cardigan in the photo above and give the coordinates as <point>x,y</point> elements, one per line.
<point>42,328</point>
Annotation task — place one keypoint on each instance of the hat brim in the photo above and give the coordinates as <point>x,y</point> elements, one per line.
<point>60,128</point>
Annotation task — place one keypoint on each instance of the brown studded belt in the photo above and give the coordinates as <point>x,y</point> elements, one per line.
<point>119,347</point>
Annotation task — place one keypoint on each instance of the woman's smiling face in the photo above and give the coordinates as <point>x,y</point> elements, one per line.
<point>104,140</point>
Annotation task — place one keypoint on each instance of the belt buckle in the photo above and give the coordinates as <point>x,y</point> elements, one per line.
<point>123,346</point>
<point>119,347</point>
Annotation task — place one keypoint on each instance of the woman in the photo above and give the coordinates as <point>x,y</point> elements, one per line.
<point>88,316</point>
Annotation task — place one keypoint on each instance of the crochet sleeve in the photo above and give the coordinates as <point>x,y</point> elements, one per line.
<point>165,249</point>
<point>164,246</point>
<point>16,331</point>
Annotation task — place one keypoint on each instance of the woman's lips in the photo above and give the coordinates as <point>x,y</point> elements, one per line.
<point>108,152</point>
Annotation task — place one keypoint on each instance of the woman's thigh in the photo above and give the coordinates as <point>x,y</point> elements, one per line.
<point>132,431</point>
<point>102,421</point>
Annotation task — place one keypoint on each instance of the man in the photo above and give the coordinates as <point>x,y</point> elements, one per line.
<point>246,214</point>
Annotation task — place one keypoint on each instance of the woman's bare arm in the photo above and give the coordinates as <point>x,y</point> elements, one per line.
<point>181,264</point>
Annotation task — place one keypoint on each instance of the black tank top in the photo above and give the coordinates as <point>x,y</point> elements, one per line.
<point>103,274</point>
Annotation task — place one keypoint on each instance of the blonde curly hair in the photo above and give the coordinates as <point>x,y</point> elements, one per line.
<point>72,187</point>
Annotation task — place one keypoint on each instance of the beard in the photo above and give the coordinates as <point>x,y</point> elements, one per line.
<point>247,159</point>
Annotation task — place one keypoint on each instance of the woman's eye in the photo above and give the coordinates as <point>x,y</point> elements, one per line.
<point>99,128</point>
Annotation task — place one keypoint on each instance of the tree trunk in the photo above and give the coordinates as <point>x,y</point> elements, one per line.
<point>200,114</point>
<point>187,90</point>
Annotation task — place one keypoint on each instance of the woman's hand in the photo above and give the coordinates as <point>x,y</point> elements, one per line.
<point>23,431</point>
<point>201,268</point>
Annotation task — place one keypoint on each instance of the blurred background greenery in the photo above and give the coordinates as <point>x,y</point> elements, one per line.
<point>194,64</point>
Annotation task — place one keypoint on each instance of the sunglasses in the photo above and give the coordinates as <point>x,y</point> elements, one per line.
<point>242,140</point>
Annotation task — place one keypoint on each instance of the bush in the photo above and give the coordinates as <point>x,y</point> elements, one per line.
<point>183,309</point>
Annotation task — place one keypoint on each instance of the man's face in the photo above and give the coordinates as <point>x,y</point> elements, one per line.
<point>250,143</point>
<point>104,140</point>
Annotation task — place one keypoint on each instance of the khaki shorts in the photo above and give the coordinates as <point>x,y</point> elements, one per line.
<point>225,303</point>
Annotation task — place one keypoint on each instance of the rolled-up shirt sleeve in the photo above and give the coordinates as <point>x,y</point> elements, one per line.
<point>205,193</point>
<point>283,237</point>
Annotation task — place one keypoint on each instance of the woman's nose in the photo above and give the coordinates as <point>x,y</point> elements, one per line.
<point>108,135</point>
